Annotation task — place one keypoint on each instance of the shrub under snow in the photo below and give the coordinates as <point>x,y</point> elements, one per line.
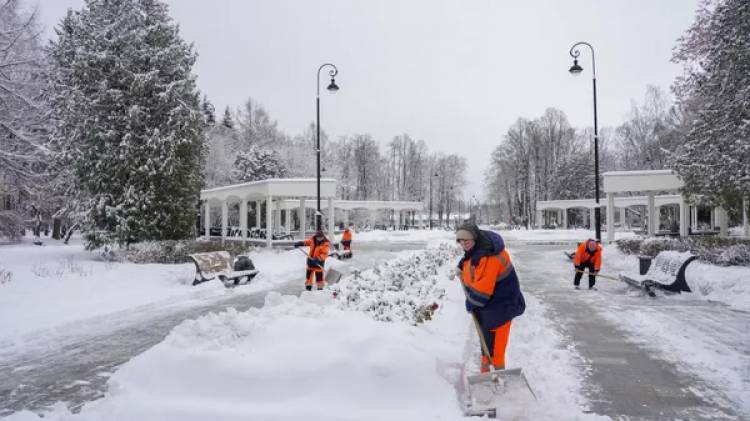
<point>404,289</point>
<point>171,251</point>
<point>715,250</point>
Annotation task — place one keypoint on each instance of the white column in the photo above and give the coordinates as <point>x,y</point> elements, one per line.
<point>651,214</point>
<point>592,218</point>
<point>610,217</point>
<point>302,219</point>
<point>684,216</point>
<point>243,218</point>
<point>723,220</point>
<point>622,217</point>
<point>288,220</point>
<point>269,220</point>
<point>224,219</point>
<point>257,214</point>
<point>565,218</point>
<point>694,222</point>
<point>277,205</point>
<point>713,218</point>
<point>207,220</point>
<point>331,222</point>
<point>745,226</point>
<point>539,218</point>
<point>346,218</point>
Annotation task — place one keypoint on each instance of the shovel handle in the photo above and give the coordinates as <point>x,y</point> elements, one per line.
<point>308,256</point>
<point>599,274</point>
<point>485,349</point>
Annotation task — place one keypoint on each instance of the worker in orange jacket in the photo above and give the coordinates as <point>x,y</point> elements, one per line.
<point>316,258</point>
<point>588,255</point>
<point>493,293</point>
<point>346,240</point>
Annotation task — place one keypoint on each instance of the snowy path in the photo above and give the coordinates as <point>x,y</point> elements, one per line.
<point>635,364</point>
<point>74,367</point>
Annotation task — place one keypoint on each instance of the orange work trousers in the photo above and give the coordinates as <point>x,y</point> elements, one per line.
<point>497,343</point>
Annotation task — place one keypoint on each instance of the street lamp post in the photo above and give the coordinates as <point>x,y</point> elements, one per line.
<point>332,87</point>
<point>575,69</point>
<point>431,175</point>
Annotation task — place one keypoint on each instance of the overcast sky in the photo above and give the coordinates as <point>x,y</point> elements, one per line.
<point>455,74</point>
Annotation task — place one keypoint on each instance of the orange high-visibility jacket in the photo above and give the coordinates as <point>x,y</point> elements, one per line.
<point>318,251</point>
<point>583,256</point>
<point>347,236</point>
<point>481,279</point>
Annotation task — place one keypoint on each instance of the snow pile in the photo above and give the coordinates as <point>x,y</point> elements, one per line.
<point>292,359</point>
<point>406,289</point>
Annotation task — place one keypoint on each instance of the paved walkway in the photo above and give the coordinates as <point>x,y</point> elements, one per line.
<point>625,380</point>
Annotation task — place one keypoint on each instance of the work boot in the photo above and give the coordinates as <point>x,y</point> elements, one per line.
<point>592,288</point>
<point>578,287</point>
<point>308,287</point>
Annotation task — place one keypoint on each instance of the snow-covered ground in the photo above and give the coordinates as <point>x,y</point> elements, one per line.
<point>359,355</point>
<point>55,284</point>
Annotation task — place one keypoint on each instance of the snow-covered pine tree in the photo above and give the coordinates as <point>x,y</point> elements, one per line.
<point>227,120</point>
<point>23,111</point>
<point>715,90</point>
<point>255,164</point>
<point>128,119</point>
<point>209,112</point>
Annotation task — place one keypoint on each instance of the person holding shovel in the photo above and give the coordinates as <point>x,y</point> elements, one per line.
<point>493,294</point>
<point>316,258</point>
<point>588,255</point>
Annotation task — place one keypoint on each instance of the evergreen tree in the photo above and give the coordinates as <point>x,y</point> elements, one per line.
<point>715,91</point>
<point>227,120</point>
<point>209,112</point>
<point>128,120</point>
<point>256,164</point>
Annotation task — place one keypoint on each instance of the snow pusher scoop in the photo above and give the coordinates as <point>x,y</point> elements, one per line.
<point>498,388</point>
<point>331,276</point>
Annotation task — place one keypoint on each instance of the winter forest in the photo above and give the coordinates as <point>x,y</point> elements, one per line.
<point>118,139</point>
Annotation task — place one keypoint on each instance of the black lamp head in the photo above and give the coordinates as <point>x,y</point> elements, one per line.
<point>333,87</point>
<point>575,69</point>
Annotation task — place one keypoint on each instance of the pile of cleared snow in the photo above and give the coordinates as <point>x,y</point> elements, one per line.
<point>405,289</point>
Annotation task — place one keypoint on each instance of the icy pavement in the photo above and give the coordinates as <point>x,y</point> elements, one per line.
<point>636,369</point>
<point>72,363</point>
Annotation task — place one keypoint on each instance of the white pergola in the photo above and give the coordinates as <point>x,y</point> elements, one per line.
<point>287,195</point>
<point>650,182</point>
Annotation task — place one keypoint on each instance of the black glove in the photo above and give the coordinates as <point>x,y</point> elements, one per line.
<point>470,307</point>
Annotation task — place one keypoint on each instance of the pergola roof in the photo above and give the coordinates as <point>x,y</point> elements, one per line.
<point>620,202</point>
<point>287,187</point>
<point>356,204</point>
<point>652,180</point>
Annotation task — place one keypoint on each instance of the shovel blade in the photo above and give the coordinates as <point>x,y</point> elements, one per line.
<point>332,276</point>
<point>500,388</point>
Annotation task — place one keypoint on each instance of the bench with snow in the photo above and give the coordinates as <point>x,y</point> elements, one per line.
<point>666,271</point>
<point>218,264</point>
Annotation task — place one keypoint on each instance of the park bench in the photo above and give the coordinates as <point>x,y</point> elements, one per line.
<point>218,264</point>
<point>666,271</point>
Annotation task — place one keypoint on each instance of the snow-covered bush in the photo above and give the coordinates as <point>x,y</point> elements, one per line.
<point>405,289</point>
<point>715,250</point>
<point>11,225</point>
<point>171,251</point>
<point>61,268</point>
<point>5,276</point>
<point>629,245</point>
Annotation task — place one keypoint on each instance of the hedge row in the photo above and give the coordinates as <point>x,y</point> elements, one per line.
<point>171,251</point>
<point>715,250</point>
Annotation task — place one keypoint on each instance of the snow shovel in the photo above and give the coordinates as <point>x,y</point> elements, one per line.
<point>331,276</point>
<point>486,388</point>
